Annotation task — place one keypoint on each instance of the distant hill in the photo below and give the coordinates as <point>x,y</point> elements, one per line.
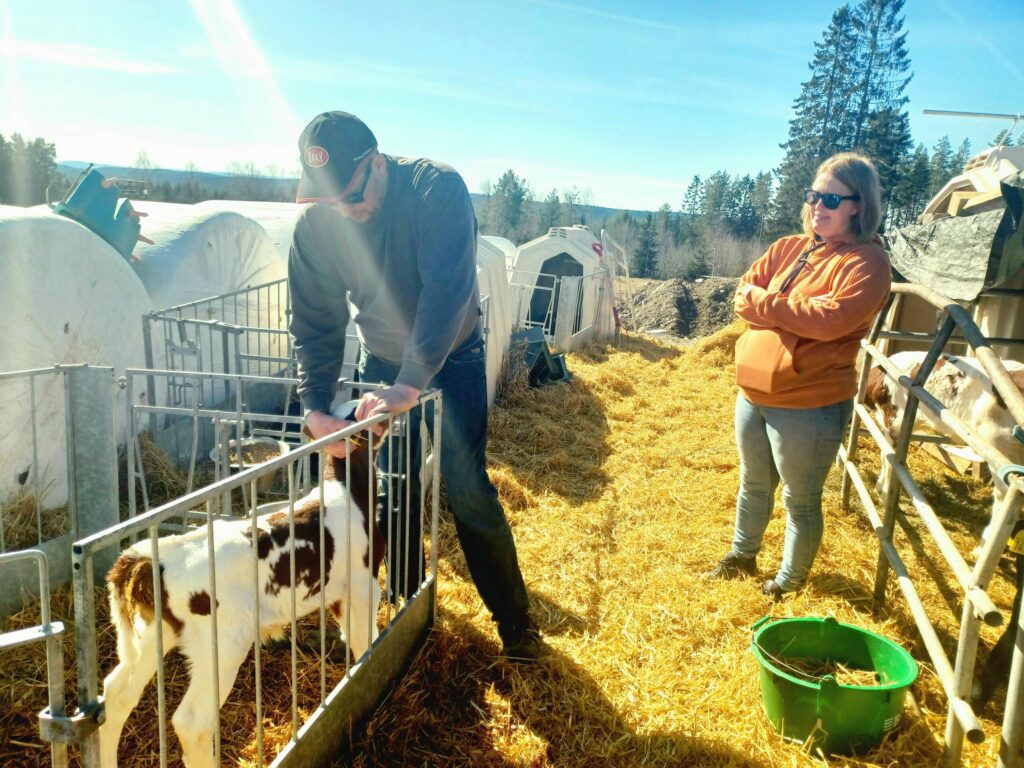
<point>263,187</point>
<point>220,184</point>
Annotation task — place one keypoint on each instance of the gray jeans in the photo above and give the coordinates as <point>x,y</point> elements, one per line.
<point>798,446</point>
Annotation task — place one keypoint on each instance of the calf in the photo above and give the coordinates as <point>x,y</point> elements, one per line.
<point>961,384</point>
<point>349,583</point>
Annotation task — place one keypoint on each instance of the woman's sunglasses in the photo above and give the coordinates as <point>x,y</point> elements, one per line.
<point>355,198</point>
<point>829,199</point>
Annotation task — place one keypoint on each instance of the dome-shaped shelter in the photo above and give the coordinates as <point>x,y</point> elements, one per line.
<point>496,303</point>
<point>198,253</point>
<point>563,271</point>
<point>67,297</point>
<point>277,219</point>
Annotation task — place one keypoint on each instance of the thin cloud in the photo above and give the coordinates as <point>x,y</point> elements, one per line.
<point>763,36</point>
<point>242,59</point>
<point>80,57</point>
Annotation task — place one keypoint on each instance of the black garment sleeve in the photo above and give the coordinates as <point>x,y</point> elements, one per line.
<point>319,310</point>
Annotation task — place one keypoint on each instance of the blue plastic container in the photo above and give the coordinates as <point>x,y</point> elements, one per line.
<point>103,210</point>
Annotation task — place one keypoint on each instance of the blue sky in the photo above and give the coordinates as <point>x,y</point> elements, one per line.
<point>629,100</point>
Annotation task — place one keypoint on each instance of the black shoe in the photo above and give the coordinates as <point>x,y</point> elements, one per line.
<point>520,641</point>
<point>732,566</point>
<point>774,590</point>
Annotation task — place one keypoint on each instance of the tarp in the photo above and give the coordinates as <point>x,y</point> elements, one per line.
<point>66,297</point>
<point>277,219</point>
<point>961,256</point>
<point>200,253</point>
<point>505,246</point>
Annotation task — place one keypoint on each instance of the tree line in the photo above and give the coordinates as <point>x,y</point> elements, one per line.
<point>511,209</point>
<point>29,172</point>
<point>26,170</point>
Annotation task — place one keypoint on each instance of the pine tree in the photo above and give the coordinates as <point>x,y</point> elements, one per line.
<point>963,153</point>
<point>694,197</point>
<point>743,219</point>
<point>506,211</point>
<point>914,185</point>
<point>698,267</point>
<point>940,166</point>
<point>645,258</point>
<point>570,202</point>
<point>854,100</point>
<point>762,200</point>
<point>822,123</point>
<point>1004,138</point>
<point>882,62</point>
<point>664,229</point>
<point>550,213</point>
<point>5,171</point>
<point>26,170</point>
<point>716,199</point>
<point>888,143</point>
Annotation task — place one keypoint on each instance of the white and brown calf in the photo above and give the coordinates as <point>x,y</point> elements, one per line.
<point>186,603</point>
<point>961,384</point>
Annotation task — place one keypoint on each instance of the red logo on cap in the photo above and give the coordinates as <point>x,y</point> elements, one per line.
<point>316,157</point>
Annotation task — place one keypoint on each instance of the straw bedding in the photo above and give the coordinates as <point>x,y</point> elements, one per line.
<point>620,488</point>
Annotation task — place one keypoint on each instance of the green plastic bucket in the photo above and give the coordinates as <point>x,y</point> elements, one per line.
<point>825,714</point>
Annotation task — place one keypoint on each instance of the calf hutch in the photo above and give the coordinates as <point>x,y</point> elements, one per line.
<point>563,282</point>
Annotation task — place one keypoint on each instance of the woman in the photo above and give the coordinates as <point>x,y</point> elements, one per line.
<point>808,300</point>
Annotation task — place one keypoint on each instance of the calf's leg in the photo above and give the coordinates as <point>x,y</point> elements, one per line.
<point>123,687</point>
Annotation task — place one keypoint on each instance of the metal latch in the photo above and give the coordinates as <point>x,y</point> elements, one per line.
<point>61,729</point>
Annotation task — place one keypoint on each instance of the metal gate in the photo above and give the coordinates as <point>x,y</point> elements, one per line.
<point>955,676</point>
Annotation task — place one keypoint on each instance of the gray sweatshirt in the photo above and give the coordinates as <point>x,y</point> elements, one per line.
<point>410,277</point>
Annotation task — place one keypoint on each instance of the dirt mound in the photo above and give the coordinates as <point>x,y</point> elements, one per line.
<point>685,310</point>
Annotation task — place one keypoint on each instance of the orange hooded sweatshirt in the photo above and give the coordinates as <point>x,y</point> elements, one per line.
<point>801,346</point>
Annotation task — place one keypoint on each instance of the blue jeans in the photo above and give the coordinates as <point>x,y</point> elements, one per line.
<point>798,446</point>
<point>480,521</point>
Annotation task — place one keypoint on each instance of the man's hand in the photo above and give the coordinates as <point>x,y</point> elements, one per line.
<point>398,398</point>
<point>320,424</point>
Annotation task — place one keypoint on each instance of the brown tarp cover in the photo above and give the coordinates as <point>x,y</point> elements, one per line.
<point>962,256</point>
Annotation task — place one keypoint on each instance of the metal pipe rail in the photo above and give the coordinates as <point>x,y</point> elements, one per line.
<point>31,375</point>
<point>54,726</point>
<point>961,708</point>
<point>985,608</point>
<point>146,526</point>
<point>279,283</point>
<point>978,606</point>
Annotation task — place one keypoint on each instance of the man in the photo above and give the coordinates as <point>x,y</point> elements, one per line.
<point>395,238</point>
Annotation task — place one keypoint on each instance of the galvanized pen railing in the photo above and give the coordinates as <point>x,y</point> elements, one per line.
<point>320,732</point>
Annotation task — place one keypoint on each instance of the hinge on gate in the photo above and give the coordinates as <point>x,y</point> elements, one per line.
<point>61,729</point>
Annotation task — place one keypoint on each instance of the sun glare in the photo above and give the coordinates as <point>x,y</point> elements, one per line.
<point>242,60</point>
<point>10,98</point>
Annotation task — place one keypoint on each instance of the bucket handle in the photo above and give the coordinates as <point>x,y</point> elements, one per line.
<point>760,622</point>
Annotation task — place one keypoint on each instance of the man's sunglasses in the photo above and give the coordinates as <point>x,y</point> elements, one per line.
<point>355,198</point>
<point>829,199</point>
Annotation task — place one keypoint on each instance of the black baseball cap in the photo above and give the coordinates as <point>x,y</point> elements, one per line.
<point>331,147</point>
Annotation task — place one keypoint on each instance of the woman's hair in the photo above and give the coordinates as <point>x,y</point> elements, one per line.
<point>858,174</point>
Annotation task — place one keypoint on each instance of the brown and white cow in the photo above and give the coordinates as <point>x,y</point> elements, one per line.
<point>350,584</point>
<point>963,386</point>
